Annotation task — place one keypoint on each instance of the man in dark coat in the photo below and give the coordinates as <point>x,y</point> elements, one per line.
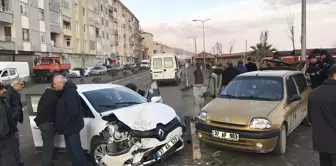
<point>250,66</point>
<point>322,115</point>
<point>198,75</point>
<point>314,71</point>
<point>229,74</point>
<point>136,89</point>
<point>45,120</point>
<point>327,62</point>
<point>14,100</point>
<point>69,119</point>
<point>8,140</point>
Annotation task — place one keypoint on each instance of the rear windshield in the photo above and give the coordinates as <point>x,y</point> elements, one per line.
<point>157,63</point>
<point>168,62</point>
<point>144,63</point>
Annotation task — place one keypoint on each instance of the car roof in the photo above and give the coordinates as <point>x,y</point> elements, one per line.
<point>160,55</point>
<point>271,73</point>
<point>90,87</point>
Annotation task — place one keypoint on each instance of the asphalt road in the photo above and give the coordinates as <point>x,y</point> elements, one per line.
<point>299,152</point>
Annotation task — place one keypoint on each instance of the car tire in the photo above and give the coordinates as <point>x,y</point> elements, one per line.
<point>306,122</point>
<point>97,149</point>
<point>281,145</point>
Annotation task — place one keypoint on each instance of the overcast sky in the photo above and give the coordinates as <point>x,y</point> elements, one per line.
<point>170,21</point>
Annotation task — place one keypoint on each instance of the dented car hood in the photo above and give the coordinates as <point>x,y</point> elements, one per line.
<point>143,117</point>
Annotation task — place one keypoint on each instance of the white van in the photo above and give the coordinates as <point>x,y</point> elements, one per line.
<point>145,64</point>
<point>164,68</point>
<point>22,69</point>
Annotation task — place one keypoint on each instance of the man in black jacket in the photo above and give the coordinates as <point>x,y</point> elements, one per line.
<point>136,89</point>
<point>314,71</point>
<point>229,74</point>
<point>69,119</point>
<point>8,140</point>
<point>322,115</point>
<point>14,100</point>
<point>45,120</point>
<point>327,62</point>
<point>250,66</point>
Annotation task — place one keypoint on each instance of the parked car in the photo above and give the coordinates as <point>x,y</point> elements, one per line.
<point>127,67</point>
<point>7,75</point>
<point>117,67</point>
<point>164,68</point>
<point>114,116</point>
<point>75,72</point>
<point>98,70</point>
<point>256,111</point>
<point>22,69</point>
<point>145,64</point>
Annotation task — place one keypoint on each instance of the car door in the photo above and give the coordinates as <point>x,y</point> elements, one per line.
<point>5,76</point>
<point>88,116</point>
<point>12,73</point>
<point>304,93</point>
<point>157,69</point>
<point>293,108</point>
<point>169,71</point>
<point>153,92</point>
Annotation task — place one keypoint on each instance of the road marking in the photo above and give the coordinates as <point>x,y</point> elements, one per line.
<point>147,82</point>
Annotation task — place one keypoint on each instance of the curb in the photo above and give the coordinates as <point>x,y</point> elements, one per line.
<point>123,79</point>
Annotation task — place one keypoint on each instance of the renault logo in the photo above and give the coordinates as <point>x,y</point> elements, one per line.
<point>161,133</point>
<point>226,119</point>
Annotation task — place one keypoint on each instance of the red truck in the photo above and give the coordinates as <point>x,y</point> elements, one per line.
<point>45,67</point>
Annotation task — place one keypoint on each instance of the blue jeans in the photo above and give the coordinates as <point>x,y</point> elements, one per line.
<point>75,150</point>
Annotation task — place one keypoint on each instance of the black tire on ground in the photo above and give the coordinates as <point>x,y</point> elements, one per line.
<point>281,145</point>
<point>96,142</point>
<point>176,82</point>
<point>306,122</point>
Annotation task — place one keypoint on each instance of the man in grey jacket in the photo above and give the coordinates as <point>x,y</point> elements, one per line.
<point>8,140</point>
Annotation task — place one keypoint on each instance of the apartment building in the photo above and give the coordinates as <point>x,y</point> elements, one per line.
<point>148,45</point>
<point>29,28</point>
<point>128,48</point>
<point>162,48</point>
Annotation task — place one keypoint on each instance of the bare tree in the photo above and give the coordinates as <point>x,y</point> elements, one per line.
<point>291,30</point>
<point>231,46</point>
<point>219,48</point>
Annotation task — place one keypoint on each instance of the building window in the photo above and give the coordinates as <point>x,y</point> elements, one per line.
<point>84,27</point>
<point>66,5</point>
<point>41,14</point>
<point>92,45</point>
<point>83,11</point>
<point>91,29</point>
<point>106,23</point>
<point>76,6</point>
<point>77,25</point>
<point>103,21</point>
<point>102,8</point>
<point>78,44</point>
<point>43,37</point>
<point>107,36</point>
<point>68,42</point>
<point>66,25</point>
<point>25,34</point>
<point>103,34</point>
<point>24,9</point>
<point>85,43</point>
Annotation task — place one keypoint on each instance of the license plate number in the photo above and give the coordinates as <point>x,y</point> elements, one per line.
<point>165,148</point>
<point>225,135</point>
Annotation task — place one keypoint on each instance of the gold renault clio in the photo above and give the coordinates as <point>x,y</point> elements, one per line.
<point>256,111</point>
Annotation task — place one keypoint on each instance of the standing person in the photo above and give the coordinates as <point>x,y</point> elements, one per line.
<point>198,74</point>
<point>218,70</point>
<point>229,74</point>
<point>136,89</point>
<point>322,115</point>
<point>8,140</point>
<point>241,68</point>
<point>314,71</point>
<point>45,120</point>
<point>327,61</point>
<point>14,100</point>
<point>82,73</point>
<point>69,119</point>
<point>250,66</point>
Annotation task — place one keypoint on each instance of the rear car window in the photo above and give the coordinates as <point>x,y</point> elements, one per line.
<point>168,62</point>
<point>157,63</point>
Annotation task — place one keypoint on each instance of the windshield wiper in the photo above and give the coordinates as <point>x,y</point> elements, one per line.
<point>127,102</point>
<point>229,96</point>
<point>256,98</point>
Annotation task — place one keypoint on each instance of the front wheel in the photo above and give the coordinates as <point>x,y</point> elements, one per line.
<point>281,145</point>
<point>98,150</point>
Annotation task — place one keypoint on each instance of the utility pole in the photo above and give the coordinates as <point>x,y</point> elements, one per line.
<point>303,30</point>
<point>245,48</point>
<point>203,21</point>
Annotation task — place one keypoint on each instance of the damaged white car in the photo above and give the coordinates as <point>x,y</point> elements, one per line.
<point>122,128</point>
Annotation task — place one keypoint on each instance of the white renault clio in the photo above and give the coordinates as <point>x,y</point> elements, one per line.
<point>121,126</point>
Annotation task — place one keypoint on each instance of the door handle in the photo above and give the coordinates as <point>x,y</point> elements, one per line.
<point>36,128</point>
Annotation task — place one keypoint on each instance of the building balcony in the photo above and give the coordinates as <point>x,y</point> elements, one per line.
<point>55,49</point>
<point>68,50</point>
<point>54,28</point>
<point>6,14</point>
<point>67,32</point>
<point>7,43</point>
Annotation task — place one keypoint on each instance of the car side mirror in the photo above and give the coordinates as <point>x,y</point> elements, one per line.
<point>294,98</point>
<point>156,99</point>
<point>208,94</point>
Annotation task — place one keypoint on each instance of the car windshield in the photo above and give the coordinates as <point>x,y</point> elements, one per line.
<point>96,68</point>
<point>76,69</point>
<point>254,88</point>
<point>144,63</point>
<point>113,98</point>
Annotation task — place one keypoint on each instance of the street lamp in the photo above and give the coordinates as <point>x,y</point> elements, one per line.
<point>194,43</point>
<point>203,21</point>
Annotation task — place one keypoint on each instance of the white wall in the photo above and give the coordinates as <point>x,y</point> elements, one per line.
<point>26,46</point>
<point>43,47</point>
<point>2,33</point>
<point>42,26</point>
<point>41,4</point>
<point>25,22</point>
